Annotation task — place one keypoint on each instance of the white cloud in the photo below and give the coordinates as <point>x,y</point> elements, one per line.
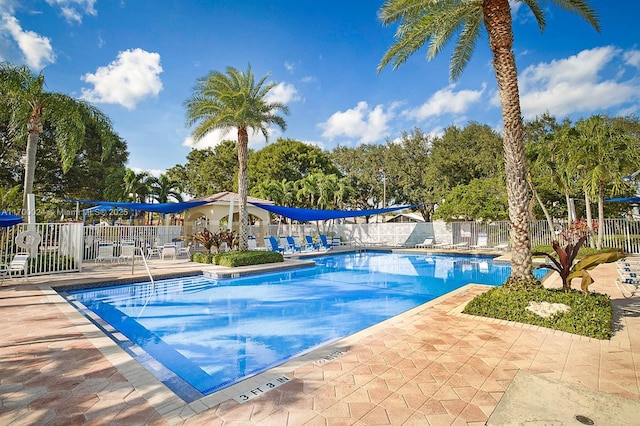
<point>573,84</point>
<point>282,92</point>
<point>73,10</point>
<point>132,77</point>
<point>362,123</point>
<point>632,58</point>
<point>289,66</point>
<point>36,49</point>
<point>446,101</point>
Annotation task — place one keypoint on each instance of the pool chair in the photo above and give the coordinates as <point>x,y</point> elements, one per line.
<point>19,265</point>
<point>128,252</point>
<point>482,243</point>
<point>168,250</point>
<point>291,245</point>
<point>309,245</point>
<point>324,243</point>
<point>105,252</point>
<point>428,242</point>
<point>275,246</point>
<point>459,246</point>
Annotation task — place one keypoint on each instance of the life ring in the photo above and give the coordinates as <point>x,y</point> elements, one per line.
<point>28,240</point>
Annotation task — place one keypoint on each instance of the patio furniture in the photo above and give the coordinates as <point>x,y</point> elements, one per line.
<point>128,252</point>
<point>105,252</point>
<point>428,242</point>
<point>168,250</point>
<point>19,264</point>
<point>482,243</point>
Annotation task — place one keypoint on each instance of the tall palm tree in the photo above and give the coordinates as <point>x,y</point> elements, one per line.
<point>235,100</point>
<point>436,22</point>
<point>31,106</point>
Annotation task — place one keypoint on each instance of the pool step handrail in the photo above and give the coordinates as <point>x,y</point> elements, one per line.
<point>146,265</point>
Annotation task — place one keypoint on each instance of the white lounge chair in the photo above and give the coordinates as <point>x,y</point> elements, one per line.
<point>459,246</point>
<point>128,252</point>
<point>482,243</point>
<point>428,242</point>
<point>19,264</point>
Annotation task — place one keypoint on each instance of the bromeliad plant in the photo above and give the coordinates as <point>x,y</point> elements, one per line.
<point>564,265</point>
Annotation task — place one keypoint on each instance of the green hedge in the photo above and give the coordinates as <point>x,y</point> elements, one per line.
<point>238,258</point>
<point>590,316</point>
<point>584,251</point>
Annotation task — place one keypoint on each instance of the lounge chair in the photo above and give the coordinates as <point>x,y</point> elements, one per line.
<point>501,247</point>
<point>459,246</point>
<point>309,244</point>
<point>629,280</point>
<point>324,243</point>
<point>291,245</point>
<point>19,264</point>
<point>482,243</point>
<point>105,252</point>
<point>428,242</point>
<point>275,246</point>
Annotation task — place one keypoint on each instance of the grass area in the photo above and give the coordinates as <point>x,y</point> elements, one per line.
<point>590,315</point>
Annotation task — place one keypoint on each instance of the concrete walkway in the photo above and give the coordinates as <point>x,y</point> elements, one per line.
<point>429,366</point>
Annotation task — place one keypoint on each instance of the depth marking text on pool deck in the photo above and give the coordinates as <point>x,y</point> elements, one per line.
<point>255,392</point>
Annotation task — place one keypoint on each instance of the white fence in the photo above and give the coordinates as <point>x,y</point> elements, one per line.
<point>63,246</point>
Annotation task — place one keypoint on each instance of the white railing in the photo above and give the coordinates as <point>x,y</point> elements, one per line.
<point>63,246</point>
<point>57,246</point>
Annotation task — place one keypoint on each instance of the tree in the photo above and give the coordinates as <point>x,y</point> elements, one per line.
<point>163,188</point>
<point>208,171</point>
<point>235,100</point>
<point>31,106</point>
<point>437,22</point>
<point>607,153</point>
<point>288,159</point>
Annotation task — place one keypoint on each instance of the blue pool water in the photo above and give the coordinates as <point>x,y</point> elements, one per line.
<point>207,334</point>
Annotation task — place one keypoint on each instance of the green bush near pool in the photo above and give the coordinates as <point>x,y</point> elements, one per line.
<point>238,258</point>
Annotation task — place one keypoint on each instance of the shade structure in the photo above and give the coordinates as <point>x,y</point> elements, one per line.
<point>308,215</point>
<point>623,200</point>
<point>8,219</point>
<point>148,207</point>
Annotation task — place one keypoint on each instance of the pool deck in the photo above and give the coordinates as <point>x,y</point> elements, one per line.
<point>432,365</point>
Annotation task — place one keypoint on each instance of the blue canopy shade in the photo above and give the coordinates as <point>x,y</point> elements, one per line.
<point>145,207</point>
<point>8,219</point>
<point>308,215</point>
<point>623,200</point>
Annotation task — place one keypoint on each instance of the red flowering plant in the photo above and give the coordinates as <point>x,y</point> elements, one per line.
<point>578,229</point>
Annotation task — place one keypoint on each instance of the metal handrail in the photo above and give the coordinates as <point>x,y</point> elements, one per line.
<point>146,265</point>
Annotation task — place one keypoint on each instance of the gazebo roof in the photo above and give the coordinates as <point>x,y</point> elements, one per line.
<point>227,196</point>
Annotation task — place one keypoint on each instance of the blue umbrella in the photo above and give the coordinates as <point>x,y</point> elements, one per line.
<point>8,219</point>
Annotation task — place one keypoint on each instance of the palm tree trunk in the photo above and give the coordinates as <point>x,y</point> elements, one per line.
<point>541,204</point>
<point>30,166</point>
<point>587,203</point>
<point>600,218</point>
<point>243,184</point>
<point>497,18</point>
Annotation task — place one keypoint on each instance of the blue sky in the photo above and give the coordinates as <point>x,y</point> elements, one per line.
<point>138,61</point>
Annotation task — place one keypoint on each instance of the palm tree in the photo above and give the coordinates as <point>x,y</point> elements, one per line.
<point>436,22</point>
<point>234,100</point>
<point>137,186</point>
<point>163,188</point>
<point>30,106</point>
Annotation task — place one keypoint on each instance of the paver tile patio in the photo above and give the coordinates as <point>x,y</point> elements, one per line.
<point>429,366</point>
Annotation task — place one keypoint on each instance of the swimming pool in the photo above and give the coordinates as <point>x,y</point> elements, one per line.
<point>199,335</point>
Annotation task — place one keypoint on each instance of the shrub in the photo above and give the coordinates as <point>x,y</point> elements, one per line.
<point>590,316</point>
<point>245,258</point>
<point>202,257</point>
